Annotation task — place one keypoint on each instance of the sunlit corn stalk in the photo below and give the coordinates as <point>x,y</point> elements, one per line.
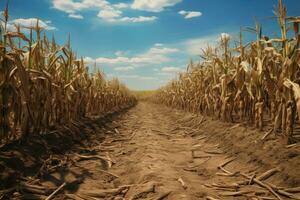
<point>260,83</point>
<point>44,85</point>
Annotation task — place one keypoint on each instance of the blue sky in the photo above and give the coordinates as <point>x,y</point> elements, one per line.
<point>145,43</point>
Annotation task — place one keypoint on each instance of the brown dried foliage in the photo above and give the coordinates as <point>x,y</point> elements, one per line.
<point>248,83</point>
<point>43,85</point>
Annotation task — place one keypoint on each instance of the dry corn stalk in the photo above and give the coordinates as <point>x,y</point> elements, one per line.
<point>248,83</point>
<point>43,84</point>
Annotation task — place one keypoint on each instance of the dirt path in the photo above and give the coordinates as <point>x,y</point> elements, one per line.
<point>161,152</point>
<point>151,156</point>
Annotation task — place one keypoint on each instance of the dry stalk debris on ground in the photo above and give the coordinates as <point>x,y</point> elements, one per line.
<point>152,166</point>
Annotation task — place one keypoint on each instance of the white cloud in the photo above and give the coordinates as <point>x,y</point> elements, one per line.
<point>172,69</point>
<point>31,22</point>
<point>121,5</point>
<point>124,68</point>
<point>125,60</point>
<point>71,6</point>
<point>109,13</point>
<point>190,14</point>
<point>116,60</point>
<point>182,12</point>
<point>193,14</point>
<point>153,5</point>
<point>68,6</point>
<point>75,16</point>
<point>158,45</point>
<point>154,55</point>
<point>94,3</point>
<point>164,50</point>
<point>137,19</point>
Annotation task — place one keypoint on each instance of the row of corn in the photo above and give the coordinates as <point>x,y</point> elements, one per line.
<point>254,83</point>
<point>43,85</point>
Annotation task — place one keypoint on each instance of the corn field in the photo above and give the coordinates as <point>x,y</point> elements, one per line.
<point>43,85</point>
<point>253,83</point>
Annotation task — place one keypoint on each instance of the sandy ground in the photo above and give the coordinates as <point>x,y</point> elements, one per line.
<point>154,152</point>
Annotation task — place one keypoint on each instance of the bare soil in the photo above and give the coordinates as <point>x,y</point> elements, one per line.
<point>153,152</point>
